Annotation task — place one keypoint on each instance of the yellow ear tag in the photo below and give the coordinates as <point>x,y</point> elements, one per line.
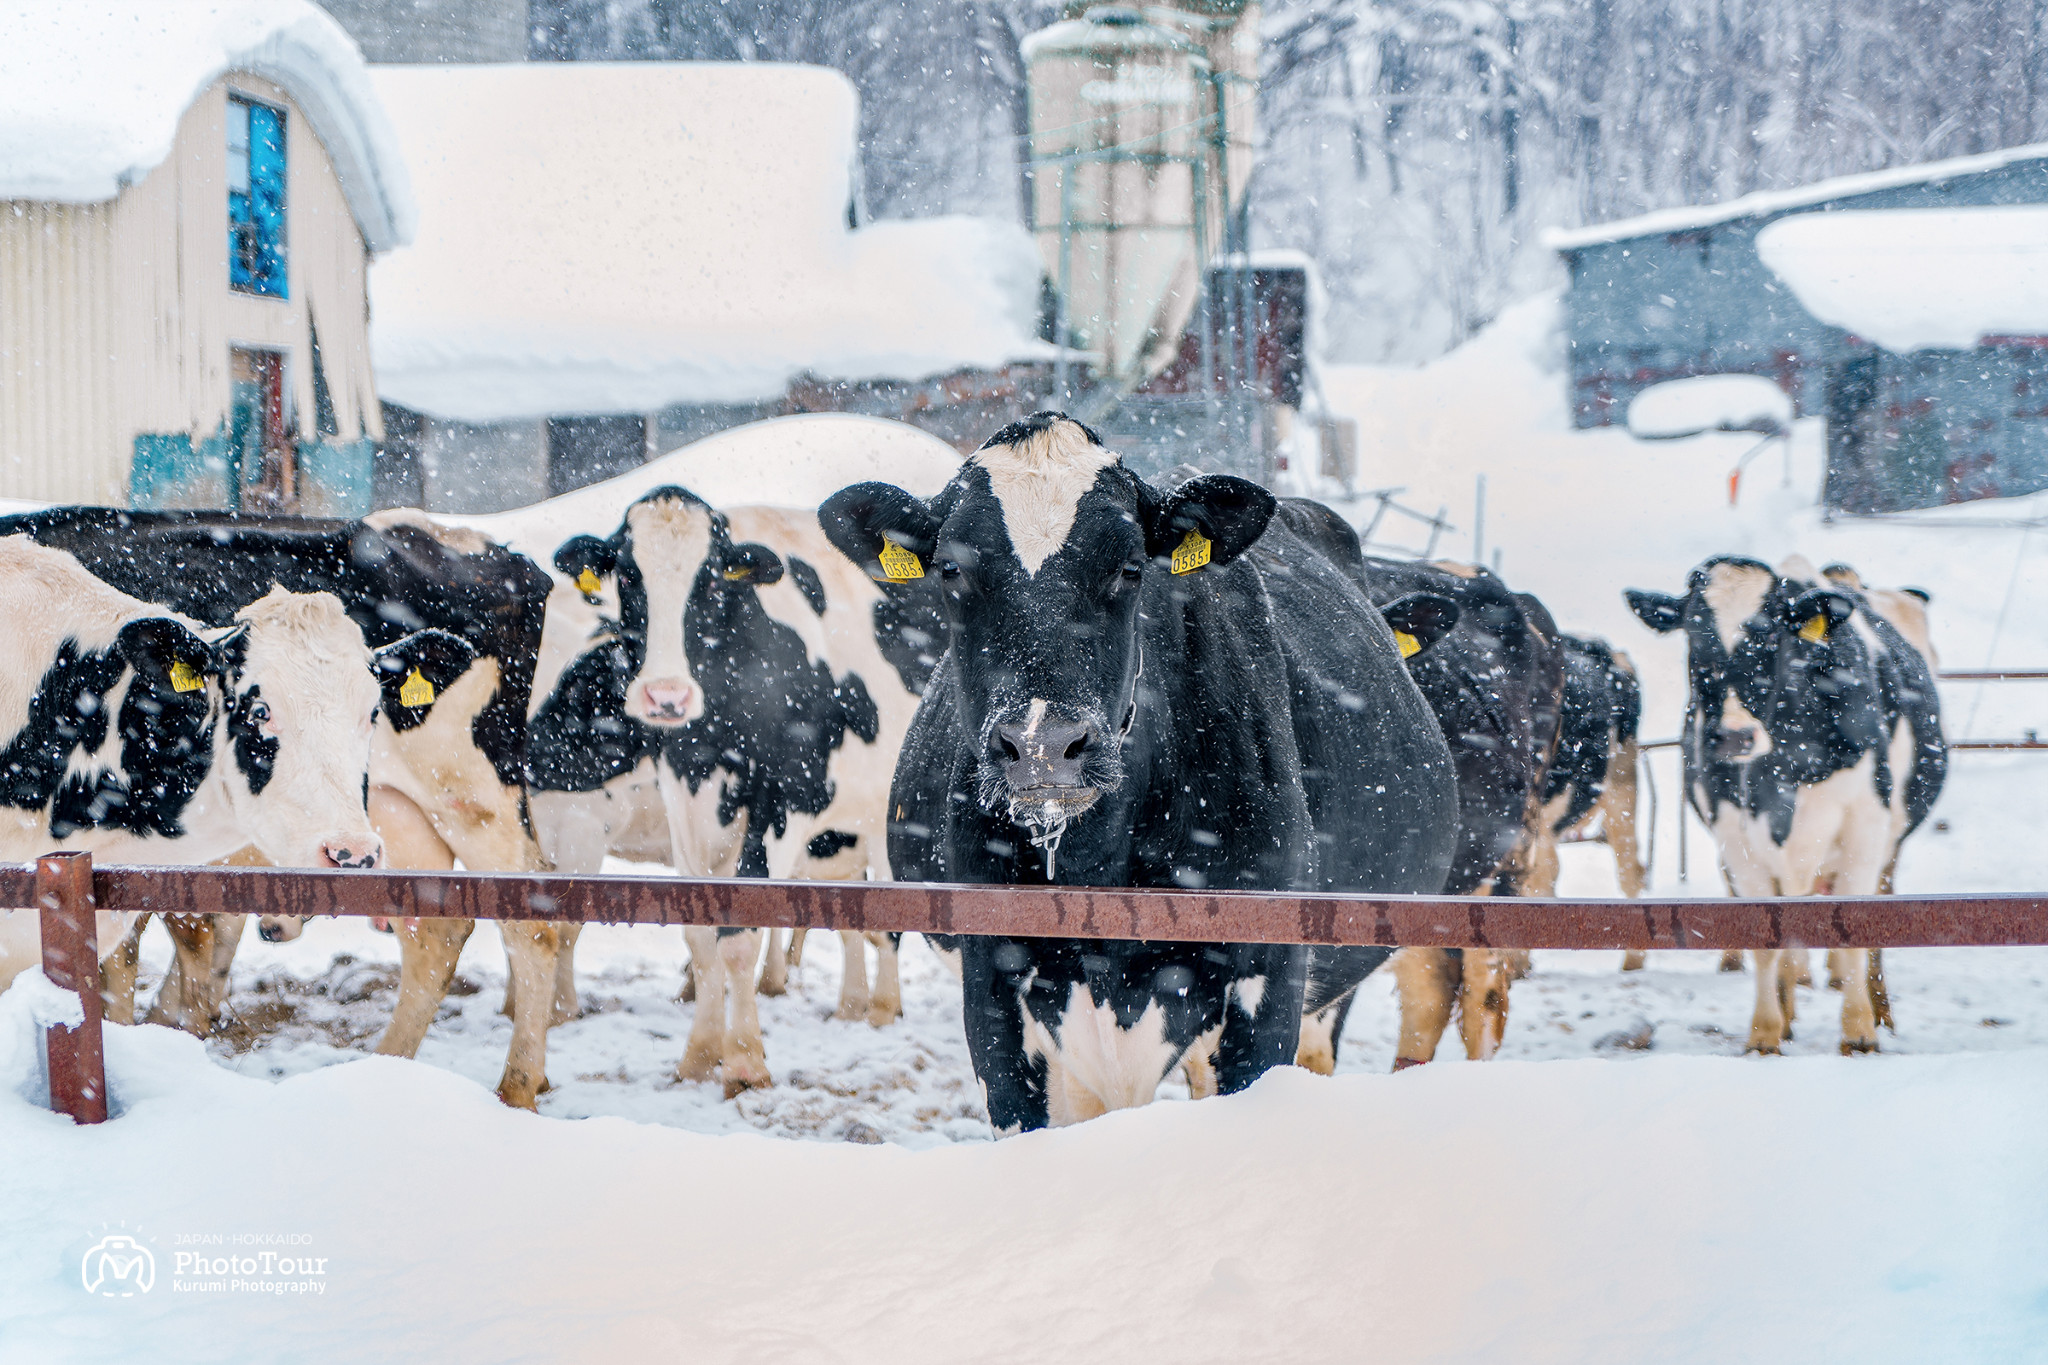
<point>1192,552</point>
<point>900,564</point>
<point>1815,630</point>
<point>735,575</point>
<point>1410,646</point>
<point>416,690</point>
<point>587,581</point>
<point>184,677</point>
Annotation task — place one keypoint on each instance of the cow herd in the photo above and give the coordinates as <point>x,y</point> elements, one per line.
<point>1052,671</point>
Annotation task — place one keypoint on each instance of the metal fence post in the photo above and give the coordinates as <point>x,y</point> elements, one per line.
<point>71,959</point>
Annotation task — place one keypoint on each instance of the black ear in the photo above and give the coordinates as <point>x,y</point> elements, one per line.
<point>586,555</point>
<point>750,562</point>
<point>1226,511</point>
<point>1419,620</point>
<point>167,654</point>
<point>1660,611</point>
<point>413,672</point>
<point>1816,604</point>
<point>883,529</point>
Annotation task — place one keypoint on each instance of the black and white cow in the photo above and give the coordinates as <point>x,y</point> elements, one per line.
<point>143,736</point>
<point>1145,688</point>
<point>768,685</point>
<point>446,774</point>
<point>1813,746</point>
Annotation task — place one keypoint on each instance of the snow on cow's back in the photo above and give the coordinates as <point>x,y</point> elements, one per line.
<point>794,462</point>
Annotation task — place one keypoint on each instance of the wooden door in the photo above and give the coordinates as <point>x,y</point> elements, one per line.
<point>259,439</point>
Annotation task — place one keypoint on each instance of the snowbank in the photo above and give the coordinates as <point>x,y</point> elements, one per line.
<point>1825,1210</point>
<point>91,95</point>
<point>1764,203</point>
<point>1710,402</point>
<point>1910,279</point>
<point>783,462</point>
<point>616,238</point>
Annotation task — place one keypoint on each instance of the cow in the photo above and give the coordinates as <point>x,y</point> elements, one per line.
<point>768,685</point>
<point>1593,778</point>
<point>1145,687</point>
<point>1493,683</point>
<point>1813,746</point>
<point>145,736</point>
<point>446,779</point>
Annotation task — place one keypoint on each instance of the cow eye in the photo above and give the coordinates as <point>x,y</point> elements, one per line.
<point>259,713</point>
<point>1133,571</point>
<point>948,569</point>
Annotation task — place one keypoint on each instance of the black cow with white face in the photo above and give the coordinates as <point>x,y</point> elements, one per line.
<point>1812,744</point>
<point>769,684</point>
<point>1144,687</point>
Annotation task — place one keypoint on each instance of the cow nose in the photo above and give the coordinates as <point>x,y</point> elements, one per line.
<point>1732,744</point>
<point>667,699</point>
<point>277,930</point>
<point>352,853</point>
<point>1051,754</point>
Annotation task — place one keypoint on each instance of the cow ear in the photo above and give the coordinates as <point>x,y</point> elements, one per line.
<point>881,528</point>
<point>1419,620</point>
<point>1209,520</point>
<point>585,559</point>
<point>750,562</point>
<point>413,672</point>
<point>1660,611</point>
<point>1814,614</point>
<point>167,654</point>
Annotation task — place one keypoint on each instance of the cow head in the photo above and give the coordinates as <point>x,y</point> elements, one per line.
<point>299,699</point>
<point>672,558</point>
<point>1042,546</point>
<point>1773,666</point>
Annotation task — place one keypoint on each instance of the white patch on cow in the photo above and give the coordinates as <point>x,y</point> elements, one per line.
<point>671,540</point>
<point>1250,992</point>
<point>1040,482</point>
<point>1092,1066</point>
<point>1734,593</point>
<point>1736,716</point>
<point>1799,569</point>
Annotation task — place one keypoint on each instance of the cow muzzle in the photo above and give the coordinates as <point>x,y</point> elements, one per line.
<point>664,701</point>
<point>357,853</point>
<point>1729,745</point>
<point>1046,766</point>
<point>279,928</point>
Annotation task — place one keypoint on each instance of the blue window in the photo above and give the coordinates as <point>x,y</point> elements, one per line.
<point>255,197</point>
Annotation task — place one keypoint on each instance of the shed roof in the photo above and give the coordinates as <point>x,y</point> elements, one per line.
<point>91,92</point>
<point>600,237</point>
<point>1914,279</point>
<point>1767,203</point>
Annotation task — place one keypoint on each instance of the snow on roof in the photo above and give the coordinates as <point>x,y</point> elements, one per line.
<point>601,237</point>
<point>1764,203</point>
<point>1910,279</point>
<point>91,95</point>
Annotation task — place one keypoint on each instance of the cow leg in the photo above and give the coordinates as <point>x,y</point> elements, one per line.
<point>886,1006</point>
<point>1767,1024</point>
<point>565,975</point>
<point>1256,1041</point>
<point>707,1030</point>
<point>1837,968</point>
<point>1788,977</point>
<point>192,1007</point>
<point>1426,980</point>
<point>1618,819</point>
<point>775,965</point>
<point>796,947</point>
<point>1731,959</point>
<point>1516,962</point>
<point>532,949</point>
<point>853,982</point>
<point>1483,1002</point>
<point>1634,959</point>
<point>426,964</point>
<point>1880,998</point>
<point>1320,1033</point>
<point>745,1060</point>
<point>1802,966</point>
<point>117,975</point>
<point>1859,1011</point>
<point>1014,1084</point>
<point>1199,1063</point>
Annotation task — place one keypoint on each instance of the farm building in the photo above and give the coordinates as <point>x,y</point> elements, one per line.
<point>614,260</point>
<point>1914,420</point>
<point>190,195</point>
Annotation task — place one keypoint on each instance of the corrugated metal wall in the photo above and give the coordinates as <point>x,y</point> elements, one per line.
<point>116,320</point>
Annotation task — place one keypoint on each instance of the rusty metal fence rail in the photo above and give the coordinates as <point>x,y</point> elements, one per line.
<point>67,889</point>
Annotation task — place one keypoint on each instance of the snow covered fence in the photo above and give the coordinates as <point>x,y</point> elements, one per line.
<point>68,890</point>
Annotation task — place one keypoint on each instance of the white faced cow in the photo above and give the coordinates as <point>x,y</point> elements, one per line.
<point>144,737</point>
<point>1812,744</point>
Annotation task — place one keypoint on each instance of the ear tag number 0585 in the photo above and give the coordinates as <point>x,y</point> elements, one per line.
<point>1192,552</point>
<point>900,564</point>
<point>184,677</point>
<point>416,690</point>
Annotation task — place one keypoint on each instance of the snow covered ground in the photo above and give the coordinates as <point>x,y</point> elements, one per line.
<point>1622,1185</point>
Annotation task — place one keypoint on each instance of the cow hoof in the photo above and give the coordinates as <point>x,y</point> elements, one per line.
<point>1762,1049</point>
<point>697,1066</point>
<point>1731,962</point>
<point>1852,1047</point>
<point>688,993</point>
<point>768,987</point>
<point>736,1083</point>
<point>1319,1060</point>
<point>517,1094</point>
<point>881,1016</point>
<point>850,1010</point>
<point>1403,1063</point>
